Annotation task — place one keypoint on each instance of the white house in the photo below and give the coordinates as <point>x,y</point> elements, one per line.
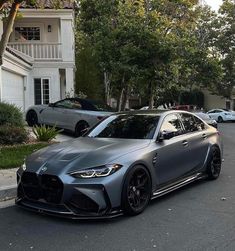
<point>38,65</point>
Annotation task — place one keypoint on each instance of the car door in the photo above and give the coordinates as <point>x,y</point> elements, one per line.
<point>57,113</point>
<point>74,115</point>
<point>170,157</point>
<point>212,114</point>
<point>217,114</point>
<point>198,143</point>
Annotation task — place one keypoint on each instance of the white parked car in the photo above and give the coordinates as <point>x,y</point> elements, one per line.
<point>221,115</point>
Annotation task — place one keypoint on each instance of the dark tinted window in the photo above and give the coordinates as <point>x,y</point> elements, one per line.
<point>172,124</point>
<point>137,126</point>
<point>192,123</point>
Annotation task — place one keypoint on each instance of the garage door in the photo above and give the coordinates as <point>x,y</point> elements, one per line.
<point>13,88</point>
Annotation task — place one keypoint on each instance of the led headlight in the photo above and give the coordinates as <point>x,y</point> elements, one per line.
<point>97,172</point>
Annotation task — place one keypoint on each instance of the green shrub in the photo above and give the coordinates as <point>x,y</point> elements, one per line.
<point>10,115</point>
<point>44,133</point>
<point>10,135</point>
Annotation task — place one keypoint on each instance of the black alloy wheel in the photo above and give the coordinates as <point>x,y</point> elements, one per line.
<point>32,118</point>
<point>220,119</point>
<point>214,164</point>
<point>136,190</point>
<point>80,128</point>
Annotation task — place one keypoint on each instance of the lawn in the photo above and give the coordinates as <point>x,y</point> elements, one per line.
<point>12,157</point>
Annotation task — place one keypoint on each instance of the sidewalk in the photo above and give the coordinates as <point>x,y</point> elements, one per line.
<point>8,177</point>
<point>7,184</point>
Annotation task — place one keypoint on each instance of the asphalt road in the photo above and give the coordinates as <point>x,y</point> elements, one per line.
<point>200,216</point>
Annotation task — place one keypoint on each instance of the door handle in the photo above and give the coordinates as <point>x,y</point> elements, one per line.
<point>204,136</point>
<point>185,143</point>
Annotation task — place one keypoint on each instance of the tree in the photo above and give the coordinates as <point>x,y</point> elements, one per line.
<point>151,46</point>
<point>223,44</point>
<point>134,40</point>
<point>88,76</point>
<point>11,8</point>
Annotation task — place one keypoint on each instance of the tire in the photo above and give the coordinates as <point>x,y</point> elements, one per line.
<point>214,164</point>
<point>137,190</point>
<point>220,119</point>
<point>32,118</point>
<point>80,127</point>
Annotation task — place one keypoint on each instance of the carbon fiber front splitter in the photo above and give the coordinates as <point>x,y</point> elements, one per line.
<point>64,211</point>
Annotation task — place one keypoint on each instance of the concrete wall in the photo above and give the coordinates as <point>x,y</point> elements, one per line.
<point>213,101</point>
<point>67,40</point>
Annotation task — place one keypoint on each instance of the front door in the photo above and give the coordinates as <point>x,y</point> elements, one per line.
<point>170,161</point>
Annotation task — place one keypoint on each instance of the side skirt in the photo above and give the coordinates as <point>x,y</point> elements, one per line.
<point>174,186</point>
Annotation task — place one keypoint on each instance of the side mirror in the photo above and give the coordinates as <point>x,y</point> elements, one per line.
<point>164,135</point>
<point>51,105</point>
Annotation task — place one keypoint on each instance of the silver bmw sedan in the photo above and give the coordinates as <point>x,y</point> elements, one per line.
<point>120,165</point>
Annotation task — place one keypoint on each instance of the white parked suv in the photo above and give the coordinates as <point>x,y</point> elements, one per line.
<point>221,115</point>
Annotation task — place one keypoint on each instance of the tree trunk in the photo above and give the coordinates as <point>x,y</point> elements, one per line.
<point>8,29</point>
<point>120,100</point>
<point>124,99</point>
<point>151,97</point>
<point>107,87</point>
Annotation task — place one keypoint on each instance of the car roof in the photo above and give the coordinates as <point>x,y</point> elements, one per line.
<point>152,112</point>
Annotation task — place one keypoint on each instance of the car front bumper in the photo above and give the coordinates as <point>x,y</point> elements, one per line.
<point>50,194</point>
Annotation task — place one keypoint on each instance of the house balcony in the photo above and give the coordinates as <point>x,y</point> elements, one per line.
<point>39,51</point>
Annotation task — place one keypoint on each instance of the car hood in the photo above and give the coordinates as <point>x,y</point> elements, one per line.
<point>81,153</point>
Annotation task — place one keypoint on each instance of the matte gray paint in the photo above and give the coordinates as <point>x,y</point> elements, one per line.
<point>174,161</point>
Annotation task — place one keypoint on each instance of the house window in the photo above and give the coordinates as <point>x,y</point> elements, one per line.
<point>41,91</point>
<point>27,33</point>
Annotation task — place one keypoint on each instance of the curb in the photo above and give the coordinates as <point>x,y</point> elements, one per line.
<point>7,193</point>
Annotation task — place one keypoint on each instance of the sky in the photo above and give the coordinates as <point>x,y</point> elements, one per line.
<point>214,4</point>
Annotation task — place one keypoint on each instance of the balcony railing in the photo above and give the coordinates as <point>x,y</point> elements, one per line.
<point>39,51</point>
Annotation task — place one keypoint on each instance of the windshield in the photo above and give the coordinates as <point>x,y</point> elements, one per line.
<point>137,126</point>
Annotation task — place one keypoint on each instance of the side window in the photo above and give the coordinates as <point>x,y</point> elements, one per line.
<point>199,124</point>
<point>213,111</point>
<point>171,124</point>
<point>64,104</point>
<point>189,122</point>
